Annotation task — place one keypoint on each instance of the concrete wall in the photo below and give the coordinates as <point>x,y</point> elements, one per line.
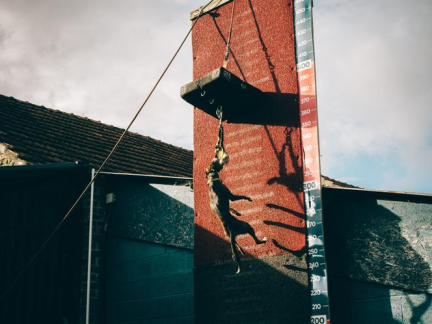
<point>149,256</point>
<point>379,271</point>
<point>379,249</point>
<point>355,302</point>
<point>148,283</point>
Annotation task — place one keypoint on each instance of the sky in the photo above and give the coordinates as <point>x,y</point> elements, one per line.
<point>100,58</point>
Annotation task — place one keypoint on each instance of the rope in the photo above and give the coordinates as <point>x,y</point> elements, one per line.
<point>228,47</point>
<point>220,152</point>
<point>219,149</point>
<point>219,114</point>
<point>104,162</point>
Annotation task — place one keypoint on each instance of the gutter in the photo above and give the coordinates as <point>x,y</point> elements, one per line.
<point>154,178</point>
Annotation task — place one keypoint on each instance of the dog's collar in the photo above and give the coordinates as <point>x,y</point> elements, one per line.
<point>213,180</point>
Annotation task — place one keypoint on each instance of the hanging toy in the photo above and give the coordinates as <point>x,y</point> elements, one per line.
<point>220,152</point>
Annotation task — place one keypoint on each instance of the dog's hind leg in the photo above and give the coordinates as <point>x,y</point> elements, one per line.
<point>242,252</point>
<point>235,253</point>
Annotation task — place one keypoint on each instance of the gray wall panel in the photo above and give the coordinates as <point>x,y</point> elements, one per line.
<point>148,283</point>
<point>152,212</point>
<point>379,248</point>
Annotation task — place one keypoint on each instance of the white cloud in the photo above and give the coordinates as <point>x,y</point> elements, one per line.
<point>100,59</point>
<point>373,84</point>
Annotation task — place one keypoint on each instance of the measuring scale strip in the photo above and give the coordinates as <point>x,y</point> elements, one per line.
<point>320,313</point>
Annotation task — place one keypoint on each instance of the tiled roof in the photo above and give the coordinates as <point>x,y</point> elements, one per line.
<point>329,182</point>
<point>41,135</point>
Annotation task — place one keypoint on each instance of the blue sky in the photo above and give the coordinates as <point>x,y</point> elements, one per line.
<point>100,58</point>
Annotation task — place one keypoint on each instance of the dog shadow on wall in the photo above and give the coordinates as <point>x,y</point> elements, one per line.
<point>292,181</point>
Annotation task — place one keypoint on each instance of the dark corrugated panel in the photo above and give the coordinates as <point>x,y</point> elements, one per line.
<point>148,283</point>
<point>33,200</point>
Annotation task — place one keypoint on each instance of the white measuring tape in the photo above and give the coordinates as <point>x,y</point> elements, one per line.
<point>320,313</point>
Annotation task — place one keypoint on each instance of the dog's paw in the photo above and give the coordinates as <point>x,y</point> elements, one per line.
<point>264,240</point>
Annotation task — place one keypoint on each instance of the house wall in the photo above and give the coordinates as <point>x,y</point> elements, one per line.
<point>148,282</point>
<point>33,201</point>
<point>149,256</point>
<point>359,301</point>
<point>379,250</point>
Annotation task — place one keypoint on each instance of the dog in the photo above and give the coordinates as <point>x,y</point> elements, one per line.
<point>220,196</point>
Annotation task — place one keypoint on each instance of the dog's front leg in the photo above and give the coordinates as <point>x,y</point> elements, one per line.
<point>235,198</point>
<point>227,193</point>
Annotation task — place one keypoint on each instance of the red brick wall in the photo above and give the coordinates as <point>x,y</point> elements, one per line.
<point>265,160</point>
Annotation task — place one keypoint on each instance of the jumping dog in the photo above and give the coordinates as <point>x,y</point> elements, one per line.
<point>220,196</point>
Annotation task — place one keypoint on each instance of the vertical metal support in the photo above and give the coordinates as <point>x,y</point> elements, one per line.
<point>90,249</point>
<point>320,312</point>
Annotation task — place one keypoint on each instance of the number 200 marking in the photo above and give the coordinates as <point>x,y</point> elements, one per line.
<point>318,319</point>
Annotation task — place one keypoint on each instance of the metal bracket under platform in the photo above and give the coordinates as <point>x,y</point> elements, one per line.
<point>240,101</point>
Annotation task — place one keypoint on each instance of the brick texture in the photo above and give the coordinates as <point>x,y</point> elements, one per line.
<point>265,160</point>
